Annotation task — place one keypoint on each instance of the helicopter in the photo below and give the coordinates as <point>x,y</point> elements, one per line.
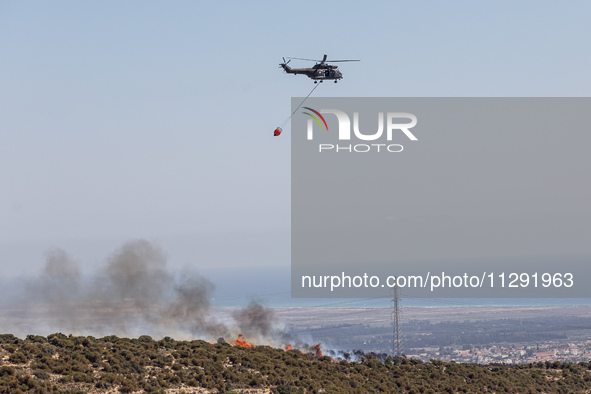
<point>319,72</point>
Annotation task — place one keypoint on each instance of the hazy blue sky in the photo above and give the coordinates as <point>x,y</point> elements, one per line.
<point>144,119</point>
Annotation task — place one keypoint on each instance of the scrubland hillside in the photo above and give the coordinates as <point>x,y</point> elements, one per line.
<point>69,364</point>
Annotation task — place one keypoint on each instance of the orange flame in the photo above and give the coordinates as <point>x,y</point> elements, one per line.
<point>242,342</point>
<point>317,351</point>
<point>288,347</point>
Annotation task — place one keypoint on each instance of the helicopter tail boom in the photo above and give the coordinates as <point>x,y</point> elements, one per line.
<point>290,70</point>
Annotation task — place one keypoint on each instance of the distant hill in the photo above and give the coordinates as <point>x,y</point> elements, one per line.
<point>69,364</point>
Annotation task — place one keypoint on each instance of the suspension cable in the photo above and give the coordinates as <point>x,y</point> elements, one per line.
<point>303,101</point>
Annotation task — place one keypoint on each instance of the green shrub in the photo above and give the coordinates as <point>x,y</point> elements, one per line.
<point>18,358</point>
<point>6,371</point>
<point>41,374</point>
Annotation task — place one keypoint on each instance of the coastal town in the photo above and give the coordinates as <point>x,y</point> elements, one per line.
<point>510,354</point>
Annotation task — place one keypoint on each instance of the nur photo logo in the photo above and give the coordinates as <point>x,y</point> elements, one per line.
<point>389,124</point>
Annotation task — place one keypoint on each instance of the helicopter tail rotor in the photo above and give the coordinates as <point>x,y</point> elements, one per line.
<point>284,65</point>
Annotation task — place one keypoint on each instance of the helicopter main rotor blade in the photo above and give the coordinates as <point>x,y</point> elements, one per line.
<point>320,60</point>
<point>300,58</point>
